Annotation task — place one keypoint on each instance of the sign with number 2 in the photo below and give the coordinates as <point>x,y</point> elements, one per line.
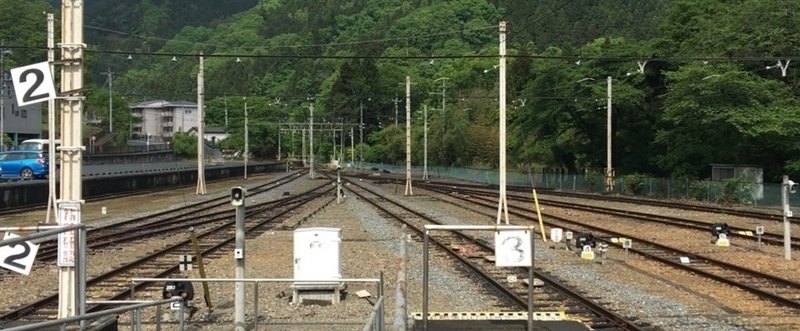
<point>33,83</point>
<point>18,257</point>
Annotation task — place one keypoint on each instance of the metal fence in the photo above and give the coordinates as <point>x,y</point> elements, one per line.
<point>375,321</point>
<point>731,191</point>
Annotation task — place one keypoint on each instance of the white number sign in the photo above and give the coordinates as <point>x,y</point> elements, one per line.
<point>33,83</point>
<point>18,257</point>
<point>68,214</point>
<point>512,248</point>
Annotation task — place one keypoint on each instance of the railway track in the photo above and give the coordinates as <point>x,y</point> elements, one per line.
<point>765,215</point>
<point>775,289</point>
<point>214,233</point>
<point>551,296</point>
<point>685,223</point>
<point>167,222</point>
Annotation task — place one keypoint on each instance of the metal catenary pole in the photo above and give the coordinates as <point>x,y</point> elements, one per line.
<point>201,171</point>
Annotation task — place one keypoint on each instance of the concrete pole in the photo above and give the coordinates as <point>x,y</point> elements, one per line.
<point>502,206</point>
<point>361,139</point>
<point>396,114</point>
<point>71,145</point>
<point>201,171</point>
<point>311,139</point>
<point>425,139</point>
<point>2,96</point>
<point>303,147</point>
<point>352,148</point>
<point>409,189</point>
<point>110,101</point>
<point>609,168</point>
<point>51,122</point>
<point>246,140</point>
<point>333,130</point>
<point>787,226</point>
<point>239,319</point>
<point>279,140</point>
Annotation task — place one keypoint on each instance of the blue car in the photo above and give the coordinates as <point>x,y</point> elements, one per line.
<point>23,165</point>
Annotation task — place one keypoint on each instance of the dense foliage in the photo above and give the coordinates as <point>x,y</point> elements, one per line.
<point>674,114</point>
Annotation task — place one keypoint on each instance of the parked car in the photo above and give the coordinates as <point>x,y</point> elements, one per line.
<point>23,164</point>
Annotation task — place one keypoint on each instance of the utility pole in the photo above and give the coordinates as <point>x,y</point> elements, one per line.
<point>395,100</point>
<point>303,147</point>
<point>609,168</point>
<point>409,189</point>
<point>279,140</point>
<point>502,206</point>
<point>361,138</point>
<point>311,139</point>
<point>442,126</point>
<point>226,110</point>
<point>70,296</point>
<point>51,121</point>
<point>425,139</point>
<point>201,171</point>
<point>352,147</point>
<point>246,140</point>
<point>3,52</point>
<point>110,102</point>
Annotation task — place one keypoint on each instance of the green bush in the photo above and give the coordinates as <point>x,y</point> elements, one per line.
<point>633,184</point>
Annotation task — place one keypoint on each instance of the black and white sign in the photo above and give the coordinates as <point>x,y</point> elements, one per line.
<point>68,214</point>
<point>18,257</point>
<point>185,262</point>
<point>512,248</point>
<point>33,83</point>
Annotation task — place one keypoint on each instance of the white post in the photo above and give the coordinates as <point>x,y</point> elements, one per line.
<point>361,139</point>
<point>110,101</point>
<point>409,189</point>
<point>2,96</point>
<point>279,140</point>
<point>201,171</point>
<point>425,139</point>
<point>311,139</point>
<point>609,168</point>
<point>51,122</point>
<point>502,206</point>
<point>303,147</point>
<point>787,226</point>
<point>238,255</point>
<point>246,140</point>
<point>352,148</point>
<point>72,133</point>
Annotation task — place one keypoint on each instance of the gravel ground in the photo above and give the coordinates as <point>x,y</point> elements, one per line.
<point>659,297</point>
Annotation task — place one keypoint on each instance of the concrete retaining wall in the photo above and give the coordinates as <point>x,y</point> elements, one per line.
<point>35,192</point>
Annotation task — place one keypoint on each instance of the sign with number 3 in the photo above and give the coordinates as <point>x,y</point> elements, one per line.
<point>512,248</point>
<point>33,83</point>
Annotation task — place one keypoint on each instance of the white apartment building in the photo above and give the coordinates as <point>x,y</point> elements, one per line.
<point>160,119</point>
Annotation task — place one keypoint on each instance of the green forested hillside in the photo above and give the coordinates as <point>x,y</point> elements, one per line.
<point>708,89</point>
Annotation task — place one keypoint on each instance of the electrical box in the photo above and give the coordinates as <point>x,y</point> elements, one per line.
<point>317,253</point>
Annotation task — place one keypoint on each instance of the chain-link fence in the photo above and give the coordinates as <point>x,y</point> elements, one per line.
<point>734,191</point>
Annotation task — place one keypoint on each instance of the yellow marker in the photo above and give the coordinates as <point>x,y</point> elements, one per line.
<point>615,240</point>
<point>539,215</point>
<point>587,253</point>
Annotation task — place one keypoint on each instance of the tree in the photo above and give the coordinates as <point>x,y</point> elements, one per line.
<point>185,145</point>
<point>722,114</point>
